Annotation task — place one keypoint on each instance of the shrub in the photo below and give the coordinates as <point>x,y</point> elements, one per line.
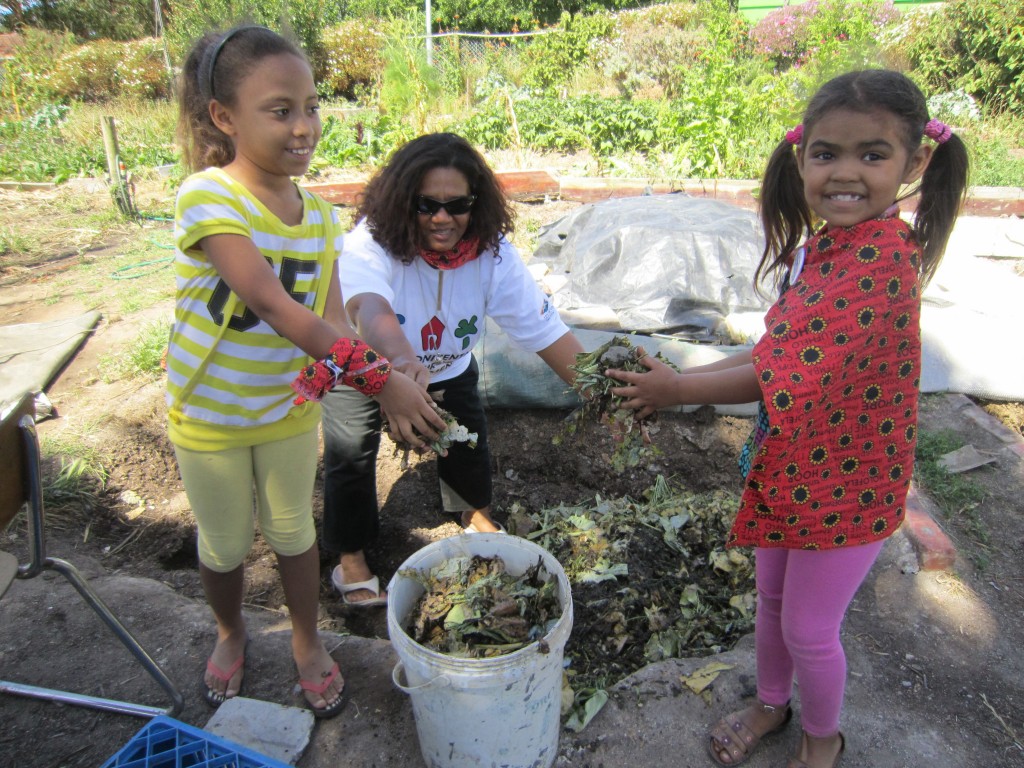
<point>105,70</point>
<point>25,74</point>
<point>792,35</point>
<point>552,59</point>
<point>976,45</point>
<point>352,58</point>
<point>358,141</point>
<point>301,19</point>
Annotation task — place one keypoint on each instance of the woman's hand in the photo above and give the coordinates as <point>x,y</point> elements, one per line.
<point>647,392</point>
<point>409,411</point>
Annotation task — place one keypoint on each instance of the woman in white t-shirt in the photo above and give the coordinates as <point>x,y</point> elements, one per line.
<point>426,264</point>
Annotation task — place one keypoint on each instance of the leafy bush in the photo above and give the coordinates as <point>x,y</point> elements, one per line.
<point>352,58</point>
<point>358,141</point>
<point>87,19</point>
<point>976,45</point>
<point>26,86</point>
<point>303,19</point>
<point>106,70</point>
<point>552,59</point>
<point>793,34</point>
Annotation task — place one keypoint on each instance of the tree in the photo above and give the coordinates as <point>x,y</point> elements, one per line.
<point>86,19</point>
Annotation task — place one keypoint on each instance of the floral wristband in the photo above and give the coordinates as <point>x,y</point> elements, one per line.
<point>352,362</point>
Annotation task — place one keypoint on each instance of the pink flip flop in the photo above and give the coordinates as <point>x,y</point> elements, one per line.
<point>332,708</point>
<point>216,698</point>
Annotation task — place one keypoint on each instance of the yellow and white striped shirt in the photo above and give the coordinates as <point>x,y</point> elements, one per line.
<point>229,372</point>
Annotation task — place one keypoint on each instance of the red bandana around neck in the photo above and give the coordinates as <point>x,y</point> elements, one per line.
<point>464,251</point>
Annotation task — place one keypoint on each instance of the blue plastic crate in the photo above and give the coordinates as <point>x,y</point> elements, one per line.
<point>167,743</point>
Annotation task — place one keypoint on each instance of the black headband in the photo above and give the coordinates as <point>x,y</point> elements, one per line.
<point>220,46</point>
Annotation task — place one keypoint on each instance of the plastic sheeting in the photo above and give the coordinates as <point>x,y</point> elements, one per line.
<point>667,263</point>
<point>31,354</point>
<point>684,267</point>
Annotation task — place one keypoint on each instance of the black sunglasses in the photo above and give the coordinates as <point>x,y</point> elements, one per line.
<point>457,206</point>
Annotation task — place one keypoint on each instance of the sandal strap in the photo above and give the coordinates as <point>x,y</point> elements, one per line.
<point>323,685</point>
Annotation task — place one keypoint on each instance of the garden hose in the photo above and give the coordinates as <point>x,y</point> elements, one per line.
<point>157,264</point>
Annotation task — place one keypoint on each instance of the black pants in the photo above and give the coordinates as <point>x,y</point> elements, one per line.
<point>352,424</point>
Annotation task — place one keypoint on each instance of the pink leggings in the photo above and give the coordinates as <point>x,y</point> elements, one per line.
<point>802,599</point>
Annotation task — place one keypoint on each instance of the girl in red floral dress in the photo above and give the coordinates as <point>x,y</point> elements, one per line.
<point>836,374</point>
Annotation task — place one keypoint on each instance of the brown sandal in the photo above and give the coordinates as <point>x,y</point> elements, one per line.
<point>797,763</point>
<point>735,737</point>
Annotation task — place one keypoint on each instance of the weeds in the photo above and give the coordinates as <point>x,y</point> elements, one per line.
<point>73,477</point>
<point>957,496</point>
<point>144,358</point>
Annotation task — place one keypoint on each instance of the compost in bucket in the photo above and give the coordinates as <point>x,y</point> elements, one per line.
<point>503,710</point>
<point>473,607</point>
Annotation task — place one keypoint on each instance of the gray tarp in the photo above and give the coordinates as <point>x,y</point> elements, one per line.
<point>654,263</point>
<point>31,354</point>
<point>683,266</point>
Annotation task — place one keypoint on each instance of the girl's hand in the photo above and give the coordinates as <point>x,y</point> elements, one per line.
<point>647,392</point>
<point>409,411</point>
<point>414,369</point>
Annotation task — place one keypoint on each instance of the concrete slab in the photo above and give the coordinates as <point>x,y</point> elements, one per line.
<point>274,730</point>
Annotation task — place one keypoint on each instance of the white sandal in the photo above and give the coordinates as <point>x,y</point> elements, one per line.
<point>372,584</point>
<point>471,528</point>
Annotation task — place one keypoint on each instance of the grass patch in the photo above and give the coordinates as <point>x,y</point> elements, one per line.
<point>143,359</point>
<point>73,477</point>
<point>957,496</point>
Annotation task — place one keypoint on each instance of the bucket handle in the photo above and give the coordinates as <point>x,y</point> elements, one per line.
<point>399,671</point>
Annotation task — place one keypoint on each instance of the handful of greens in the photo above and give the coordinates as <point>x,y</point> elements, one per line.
<point>453,433</point>
<point>631,433</point>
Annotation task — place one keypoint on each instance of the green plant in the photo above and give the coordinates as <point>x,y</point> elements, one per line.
<point>976,45</point>
<point>188,20</point>
<point>73,475</point>
<point>26,86</point>
<point>552,59</point>
<point>352,58</point>
<point>410,87</point>
<point>958,496</point>
<point>104,70</point>
<point>794,34</point>
<point>60,142</point>
<point>143,358</point>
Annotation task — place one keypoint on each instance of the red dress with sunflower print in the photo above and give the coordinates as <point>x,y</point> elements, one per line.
<point>839,367</point>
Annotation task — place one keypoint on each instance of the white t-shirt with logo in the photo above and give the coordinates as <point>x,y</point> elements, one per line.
<point>442,311</point>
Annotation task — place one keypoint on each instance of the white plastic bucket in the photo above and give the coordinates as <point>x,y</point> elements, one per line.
<point>502,712</point>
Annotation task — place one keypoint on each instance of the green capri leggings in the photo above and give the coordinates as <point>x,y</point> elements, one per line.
<point>219,486</point>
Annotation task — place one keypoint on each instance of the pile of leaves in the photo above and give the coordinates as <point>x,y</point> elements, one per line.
<point>473,608</point>
<point>650,579</point>
<point>632,434</point>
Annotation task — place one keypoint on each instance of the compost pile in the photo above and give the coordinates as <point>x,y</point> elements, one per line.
<point>651,577</point>
<point>631,433</point>
<point>473,608</point>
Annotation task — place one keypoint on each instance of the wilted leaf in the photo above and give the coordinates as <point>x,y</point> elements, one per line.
<point>591,705</point>
<point>704,676</point>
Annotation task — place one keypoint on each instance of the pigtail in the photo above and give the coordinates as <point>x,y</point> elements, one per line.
<point>942,191</point>
<point>785,215</point>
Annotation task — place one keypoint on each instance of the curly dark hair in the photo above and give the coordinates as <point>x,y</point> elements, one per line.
<point>388,202</point>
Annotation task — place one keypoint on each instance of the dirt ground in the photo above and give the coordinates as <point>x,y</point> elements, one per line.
<point>140,526</point>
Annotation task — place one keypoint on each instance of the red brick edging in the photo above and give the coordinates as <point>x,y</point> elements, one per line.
<point>541,184</point>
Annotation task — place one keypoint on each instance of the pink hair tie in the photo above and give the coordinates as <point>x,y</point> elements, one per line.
<point>796,135</point>
<point>937,131</point>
